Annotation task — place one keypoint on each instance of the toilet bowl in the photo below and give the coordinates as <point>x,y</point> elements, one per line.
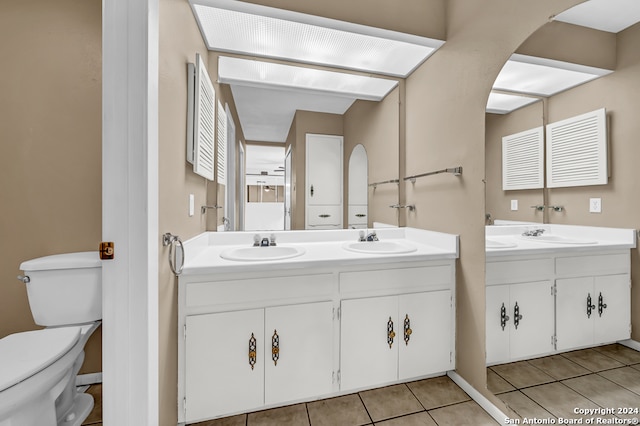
<point>38,368</point>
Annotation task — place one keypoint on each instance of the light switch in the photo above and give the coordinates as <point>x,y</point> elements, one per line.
<point>192,204</point>
<point>595,205</point>
<point>514,205</point>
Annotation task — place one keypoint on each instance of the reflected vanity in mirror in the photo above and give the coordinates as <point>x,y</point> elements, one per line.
<point>546,308</point>
<point>357,189</point>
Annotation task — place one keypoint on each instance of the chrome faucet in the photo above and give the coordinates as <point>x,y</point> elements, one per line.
<point>372,236</point>
<point>533,233</point>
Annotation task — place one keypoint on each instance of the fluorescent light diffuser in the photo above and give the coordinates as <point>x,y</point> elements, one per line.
<point>244,72</point>
<point>501,103</point>
<point>543,77</point>
<point>605,15</point>
<point>245,28</point>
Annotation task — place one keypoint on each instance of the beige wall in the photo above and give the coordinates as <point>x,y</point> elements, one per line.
<point>619,93</point>
<point>376,125</point>
<point>445,120</point>
<point>50,147</point>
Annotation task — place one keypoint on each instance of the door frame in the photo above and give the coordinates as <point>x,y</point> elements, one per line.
<point>130,53</point>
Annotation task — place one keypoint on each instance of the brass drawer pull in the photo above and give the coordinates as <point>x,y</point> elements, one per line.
<point>390,333</point>
<point>407,329</point>
<point>361,215</point>
<point>275,347</point>
<point>503,317</point>
<point>324,216</point>
<point>252,351</point>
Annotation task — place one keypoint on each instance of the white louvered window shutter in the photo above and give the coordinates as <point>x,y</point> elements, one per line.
<point>222,145</point>
<point>577,151</point>
<point>523,160</point>
<point>200,147</point>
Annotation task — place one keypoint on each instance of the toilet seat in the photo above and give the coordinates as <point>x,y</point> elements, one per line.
<point>25,354</point>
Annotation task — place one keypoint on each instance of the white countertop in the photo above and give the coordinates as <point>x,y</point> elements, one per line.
<point>578,239</point>
<point>322,248</point>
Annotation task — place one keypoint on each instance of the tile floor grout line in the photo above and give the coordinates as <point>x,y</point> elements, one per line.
<point>623,387</point>
<point>365,407</point>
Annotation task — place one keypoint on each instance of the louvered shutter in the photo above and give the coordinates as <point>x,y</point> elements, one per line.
<point>201,126</point>
<point>523,160</point>
<point>577,151</point>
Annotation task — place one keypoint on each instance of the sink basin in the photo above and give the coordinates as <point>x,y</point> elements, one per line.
<point>379,247</point>
<point>557,239</point>
<point>254,254</point>
<point>491,243</point>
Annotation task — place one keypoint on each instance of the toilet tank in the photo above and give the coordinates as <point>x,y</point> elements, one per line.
<point>65,289</point>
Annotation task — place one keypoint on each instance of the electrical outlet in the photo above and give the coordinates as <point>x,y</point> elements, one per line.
<point>192,204</point>
<point>595,205</point>
<point>514,205</point>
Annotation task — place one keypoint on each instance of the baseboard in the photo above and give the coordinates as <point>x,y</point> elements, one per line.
<point>631,344</point>
<point>88,379</point>
<point>482,401</point>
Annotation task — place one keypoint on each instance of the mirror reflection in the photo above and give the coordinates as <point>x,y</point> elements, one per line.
<point>538,342</point>
<point>358,188</point>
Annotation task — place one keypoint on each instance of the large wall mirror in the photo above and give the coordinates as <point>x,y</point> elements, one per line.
<point>571,48</point>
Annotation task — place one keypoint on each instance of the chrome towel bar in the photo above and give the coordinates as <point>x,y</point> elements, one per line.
<point>456,171</point>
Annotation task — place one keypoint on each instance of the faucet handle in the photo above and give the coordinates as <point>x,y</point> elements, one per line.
<point>363,238</point>
<point>256,240</point>
<point>272,239</point>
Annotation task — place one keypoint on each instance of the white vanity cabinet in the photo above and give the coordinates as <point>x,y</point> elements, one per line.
<point>253,342</point>
<point>593,300</point>
<point>397,336</point>
<point>241,360</point>
<point>519,308</point>
<point>519,321</point>
<point>269,334</point>
<point>565,300</point>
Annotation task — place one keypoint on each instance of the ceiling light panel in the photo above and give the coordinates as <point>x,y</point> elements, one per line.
<point>234,26</point>
<point>501,103</point>
<point>253,73</point>
<point>605,15</point>
<point>543,77</point>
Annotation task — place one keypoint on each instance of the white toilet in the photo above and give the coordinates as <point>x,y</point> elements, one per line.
<point>38,369</point>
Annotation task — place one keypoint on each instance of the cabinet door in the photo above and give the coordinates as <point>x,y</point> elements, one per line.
<point>366,358</point>
<point>299,351</point>
<point>424,333</point>
<point>220,377</point>
<point>531,331</point>
<point>614,321</point>
<point>574,326</point>
<point>497,323</point>
<point>324,170</point>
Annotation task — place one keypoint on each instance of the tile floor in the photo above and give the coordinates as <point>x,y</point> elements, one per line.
<point>554,386</point>
<point>543,388</point>
<point>431,402</point>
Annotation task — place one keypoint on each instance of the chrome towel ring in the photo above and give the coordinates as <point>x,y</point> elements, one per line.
<point>172,241</point>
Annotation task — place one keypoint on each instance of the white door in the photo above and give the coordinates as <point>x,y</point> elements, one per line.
<point>368,348</point>
<point>424,333</point>
<point>531,319</point>
<point>287,190</point>
<point>324,170</point>
<point>299,351</point>
<point>497,323</point>
<point>231,167</point>
<point>574,323</point>
<point>613,311</point>
<point>221,374</point>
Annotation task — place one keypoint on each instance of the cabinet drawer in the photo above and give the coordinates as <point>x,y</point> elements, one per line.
<point>601,264</point>
<point>324,215</point>
<point>515,271</point>
<point>357,215</point>
<point>263,290</point>
<point>396,280</point>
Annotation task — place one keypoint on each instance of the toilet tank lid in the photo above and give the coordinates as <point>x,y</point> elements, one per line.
<point>87,259</point>
<point>27,353</point>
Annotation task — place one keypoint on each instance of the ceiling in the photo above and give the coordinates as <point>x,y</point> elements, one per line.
<point>266,102</point>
